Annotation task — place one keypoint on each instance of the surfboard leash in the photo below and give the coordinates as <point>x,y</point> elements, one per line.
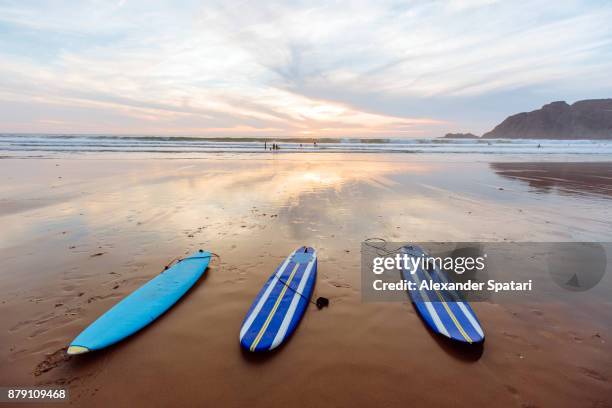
<point>320,303</point>
<point>381,250</point>
<point>179,259</point>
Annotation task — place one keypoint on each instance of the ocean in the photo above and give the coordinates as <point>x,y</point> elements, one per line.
<point>19,145</point>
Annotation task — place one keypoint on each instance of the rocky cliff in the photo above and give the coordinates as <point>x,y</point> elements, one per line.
<point>588,119</point>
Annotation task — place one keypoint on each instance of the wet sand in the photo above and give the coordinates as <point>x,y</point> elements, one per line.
<point>81,232</point>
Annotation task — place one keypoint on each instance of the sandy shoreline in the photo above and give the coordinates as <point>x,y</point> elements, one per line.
<point>80,234</point>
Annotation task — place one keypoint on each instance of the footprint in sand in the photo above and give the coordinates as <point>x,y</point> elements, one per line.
<point>52,361</point>
<point>38,332</point>
<point>338,284</point>
<point>512,390</point>
<point>575,336</point>
<point>593,374</point>
<point>35,322</point>
<point>99,297</point>
<point>58,382</point>
<point>511,336</point>
<point>20,325</point>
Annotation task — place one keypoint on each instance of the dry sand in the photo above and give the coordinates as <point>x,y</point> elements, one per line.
<point>79,233</point>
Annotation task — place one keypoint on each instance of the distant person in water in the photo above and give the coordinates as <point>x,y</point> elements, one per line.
<point>265,145</point>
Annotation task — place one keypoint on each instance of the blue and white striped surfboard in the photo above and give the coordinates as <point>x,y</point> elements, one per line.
<point>444,311</point>
<point>280,304</point>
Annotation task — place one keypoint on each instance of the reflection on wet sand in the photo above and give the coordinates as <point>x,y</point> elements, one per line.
<point>101,228</point>
<point>566,178</point>
<point>308,198</point>
<point>279,180</point>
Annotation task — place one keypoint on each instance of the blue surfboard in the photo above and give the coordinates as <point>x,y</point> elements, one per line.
<point>279,306</point>
<point>142,306</point>
<point>444,311</point>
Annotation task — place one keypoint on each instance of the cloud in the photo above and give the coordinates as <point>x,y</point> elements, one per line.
<point>294,68</point>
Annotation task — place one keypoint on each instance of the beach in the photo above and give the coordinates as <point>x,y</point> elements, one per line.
<point>83,230</point>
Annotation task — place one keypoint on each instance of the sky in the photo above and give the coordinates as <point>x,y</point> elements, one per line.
<point>312,69</point>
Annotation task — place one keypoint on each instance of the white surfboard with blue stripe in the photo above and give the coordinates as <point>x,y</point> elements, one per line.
<point>279,306</point>
<point>444,311</point>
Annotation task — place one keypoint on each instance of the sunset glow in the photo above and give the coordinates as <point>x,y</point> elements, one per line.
<point>315,69</point>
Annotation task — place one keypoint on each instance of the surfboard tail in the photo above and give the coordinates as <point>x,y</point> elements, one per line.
<point>74,350</point>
